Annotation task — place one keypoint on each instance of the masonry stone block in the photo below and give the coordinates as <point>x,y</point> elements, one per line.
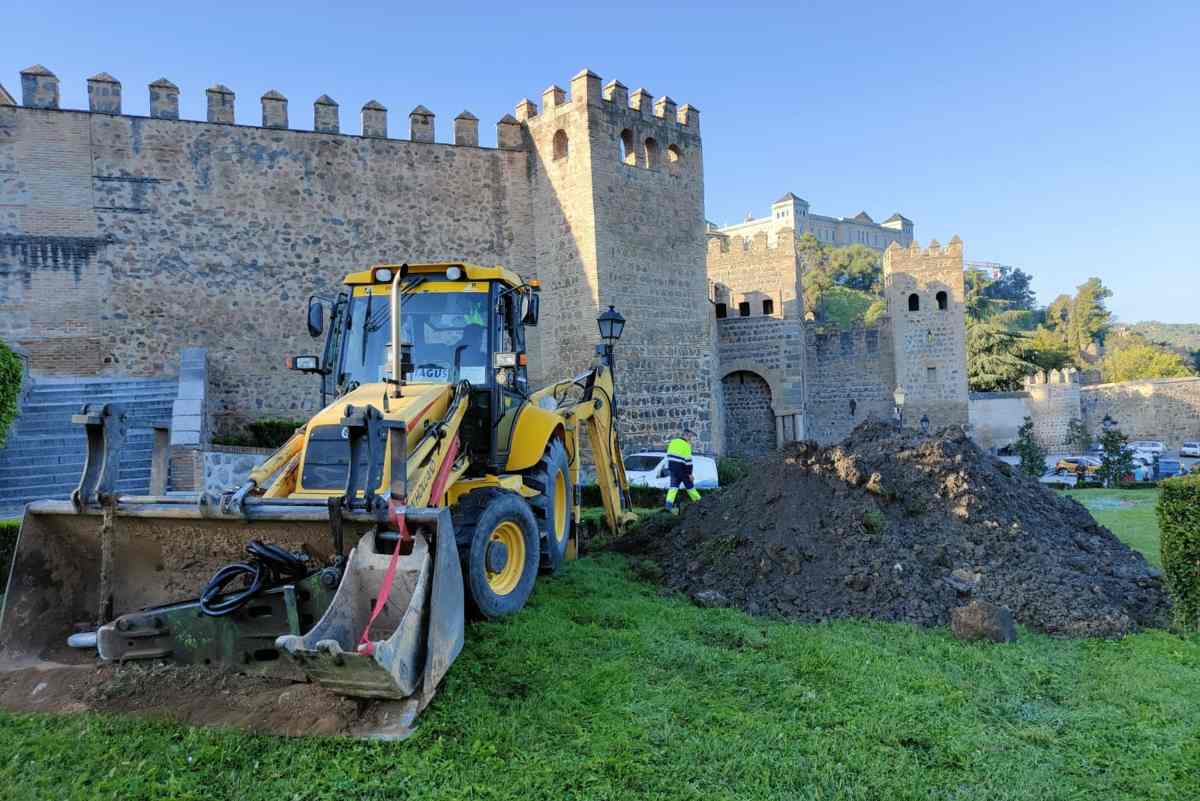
<point>585,88</point>
<point>509,135</point>
<point>552,98</point>
<point>274,110</point>
<point>374,120</point>
<point>39,87</point>
<point>220,104</point>
<point>325,115</point>
<point>617,93</point>
<point>164,100</point>
<point>420,124</point>
<point>104,94</point>
<point>526,110</point>
<point>466,129</point>
<point>665,109</point>
<point>642,102</point>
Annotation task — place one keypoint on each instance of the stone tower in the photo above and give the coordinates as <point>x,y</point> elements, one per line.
<point>925,299</point>
<point>617,191</point>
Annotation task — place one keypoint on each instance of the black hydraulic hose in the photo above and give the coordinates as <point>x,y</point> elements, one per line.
<point>268,566</point>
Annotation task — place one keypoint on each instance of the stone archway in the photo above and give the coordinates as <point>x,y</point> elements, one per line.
<point>749,418</point>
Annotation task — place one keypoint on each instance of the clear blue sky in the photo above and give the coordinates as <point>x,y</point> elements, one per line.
<point>1063,141</point>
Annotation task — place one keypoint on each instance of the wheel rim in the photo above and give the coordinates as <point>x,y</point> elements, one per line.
<point>505,580</point>
<point>560,507</point>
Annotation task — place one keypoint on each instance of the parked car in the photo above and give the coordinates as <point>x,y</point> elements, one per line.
<point>1168,468</point>
<point>649,469</point>
<point>1190,448</point>
<point>1069,465</point>
<point>1147,446</point>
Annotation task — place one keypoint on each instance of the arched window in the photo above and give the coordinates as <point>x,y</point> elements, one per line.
<point>768,306</point>
<point>674,158</point>
<point>943,300</point>
<point>914,302</point>
<point>744,308</point>
<point>627,153</point>
<point>651,153</point>
<point>722,311</point>
<point>560,145</point>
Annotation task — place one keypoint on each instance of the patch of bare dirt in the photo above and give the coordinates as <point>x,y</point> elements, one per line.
<point>197,696</point>
<point>905,527</point>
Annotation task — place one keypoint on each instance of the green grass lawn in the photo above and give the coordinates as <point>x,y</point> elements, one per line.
<point>1127,513</point>
<point>603,689</point>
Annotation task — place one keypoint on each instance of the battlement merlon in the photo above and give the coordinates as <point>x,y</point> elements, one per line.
<point>898,258</point>
<point>40,90</point>
<point>587,90</point>
<point>732,247</point>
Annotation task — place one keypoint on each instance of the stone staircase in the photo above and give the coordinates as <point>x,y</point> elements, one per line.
<point>44,452</point>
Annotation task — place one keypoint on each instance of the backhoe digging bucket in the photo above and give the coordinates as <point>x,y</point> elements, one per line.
<point>419,631</point>
<point>75,570</point>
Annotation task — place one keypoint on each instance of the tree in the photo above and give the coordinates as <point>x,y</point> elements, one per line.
<point>1047,349</point>
<point>1012,287</point>
<point>1057,315</point>
<point>1138,360</point>
<point>825,268</point>
<point>1117,461</point>
<point>1078,435</point>
<point>1089,319</point>
<point>995,356</point>
<point>1033,456</point>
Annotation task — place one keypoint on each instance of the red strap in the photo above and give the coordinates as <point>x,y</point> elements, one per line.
<point>396,516</point>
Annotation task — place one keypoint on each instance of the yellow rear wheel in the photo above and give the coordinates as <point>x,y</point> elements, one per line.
<point>506,546</point>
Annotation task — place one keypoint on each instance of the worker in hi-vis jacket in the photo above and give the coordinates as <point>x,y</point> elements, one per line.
<point>679,467</point>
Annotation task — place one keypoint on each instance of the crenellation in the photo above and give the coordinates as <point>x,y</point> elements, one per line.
<point>642,102</point>
<point>325,115</point>
<point>526,110</point>
<point>552,98</point>
<point>164,100</point>
<point>689,117</point>
<point>585,88</point>
<point>466,129</point>
<point>509,134</point>
<point>39,87</point>
<point>666,110</point>
<point>617,93</point>
<point>104,94</point>
<point>220,104</point>
<point>374,120</point>
<point>274,110</point>
<point>420,124</point>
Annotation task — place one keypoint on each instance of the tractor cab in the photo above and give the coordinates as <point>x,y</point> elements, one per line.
<point>459,322</point>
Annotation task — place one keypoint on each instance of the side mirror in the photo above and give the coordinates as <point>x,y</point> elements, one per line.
<point>304,364</point>
<point>316,318</point>
<point>533,303</point>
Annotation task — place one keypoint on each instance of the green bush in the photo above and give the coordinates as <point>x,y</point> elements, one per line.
<point>731,469</point>
<point>10,388</point>
<point>266,433</point>
<point>1179,540</point>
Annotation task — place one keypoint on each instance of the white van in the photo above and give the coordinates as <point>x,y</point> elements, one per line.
<point>649,469</point>
<point>1147,446</point>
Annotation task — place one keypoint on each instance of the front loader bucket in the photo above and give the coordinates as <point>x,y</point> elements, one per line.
<point>416,636</point>
<point>76,570</point>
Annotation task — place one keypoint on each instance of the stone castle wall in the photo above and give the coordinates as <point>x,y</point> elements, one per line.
<point>1053,401</point>
<point>851,375</point>
<point>123,239</point>
<point>1166,409</point>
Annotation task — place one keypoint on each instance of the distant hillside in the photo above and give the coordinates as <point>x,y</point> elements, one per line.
<point>1184,336</point>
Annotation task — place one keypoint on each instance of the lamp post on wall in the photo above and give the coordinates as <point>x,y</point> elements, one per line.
<point>611,324</point>
<point>898,411</point>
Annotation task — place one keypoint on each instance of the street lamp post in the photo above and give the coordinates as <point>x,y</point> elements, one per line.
<point>612,324</point>
<point>898,411</point>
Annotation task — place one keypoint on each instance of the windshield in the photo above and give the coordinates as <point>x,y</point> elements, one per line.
<point>447,330</point>
<point>641,463</point>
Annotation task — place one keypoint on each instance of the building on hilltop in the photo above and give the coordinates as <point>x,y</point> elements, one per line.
<point>126,238</point>
<point>793,213</point>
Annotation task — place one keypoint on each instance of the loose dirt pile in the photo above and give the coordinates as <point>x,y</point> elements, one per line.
<point>905,527</point>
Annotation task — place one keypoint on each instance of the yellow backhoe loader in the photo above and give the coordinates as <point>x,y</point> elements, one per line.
<point>453,482</point>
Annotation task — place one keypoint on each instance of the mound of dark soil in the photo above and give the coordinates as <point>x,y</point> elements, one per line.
<point>901,526</point>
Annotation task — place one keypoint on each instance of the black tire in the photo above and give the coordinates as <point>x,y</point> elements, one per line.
<point>482,519</point>
<point>554,505</point>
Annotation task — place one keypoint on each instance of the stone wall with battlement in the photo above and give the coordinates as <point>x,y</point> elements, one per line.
<point>851,375</point>
<point>123,238</point>
<point>1053,401</point>
<point>1166,409</point>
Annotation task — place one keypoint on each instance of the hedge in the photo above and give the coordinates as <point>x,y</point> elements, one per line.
<point>8,544</point>
<point>1179,540</point>
<point>10,388</point>
<point>267,433</point>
